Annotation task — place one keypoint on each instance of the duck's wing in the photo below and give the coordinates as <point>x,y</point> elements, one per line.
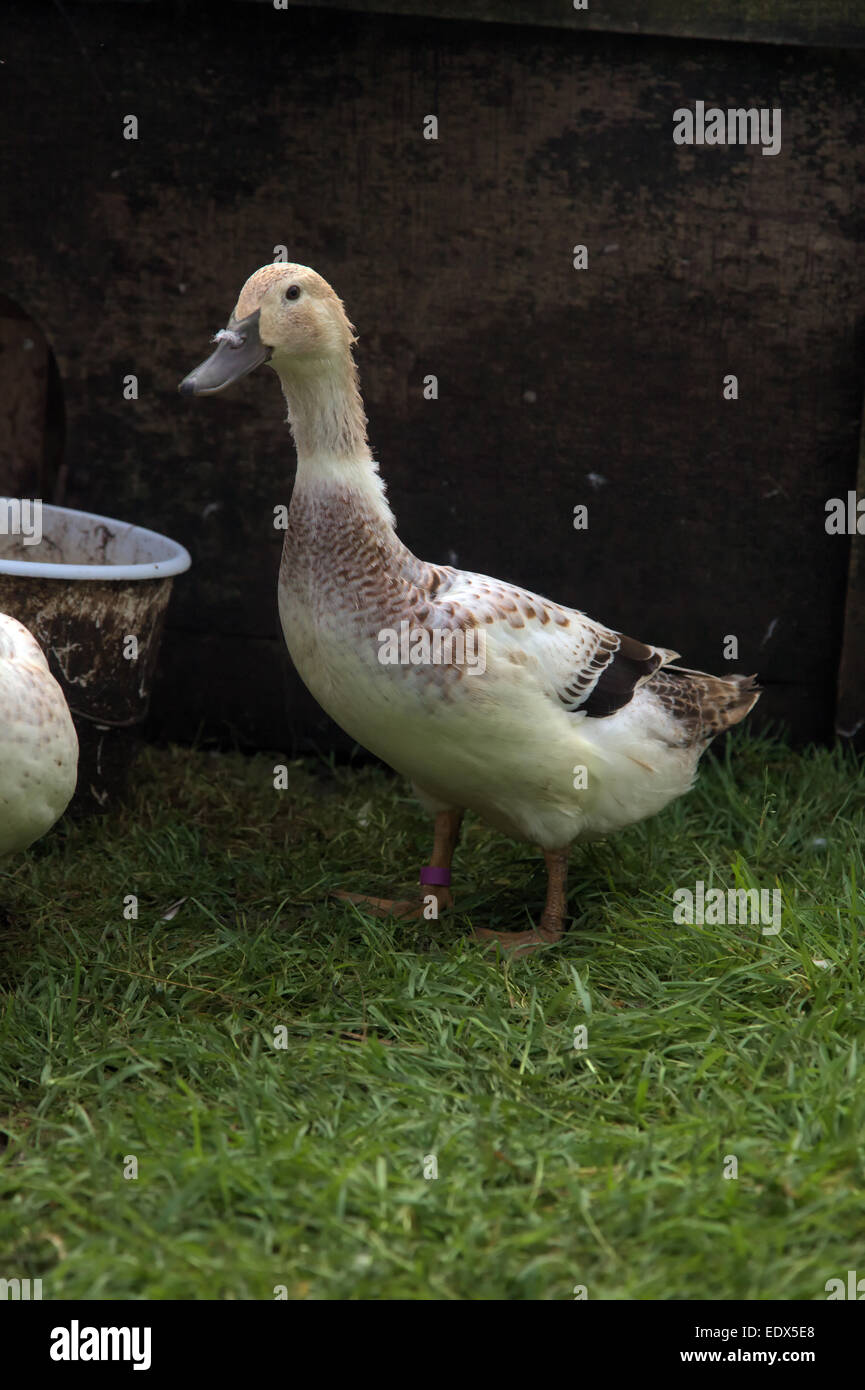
<point>585,666</point>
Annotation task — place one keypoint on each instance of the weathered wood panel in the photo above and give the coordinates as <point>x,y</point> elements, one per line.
<point>832,22</point>
<point>556,386</point>
<point>23,396</point>
<point>850,717</point>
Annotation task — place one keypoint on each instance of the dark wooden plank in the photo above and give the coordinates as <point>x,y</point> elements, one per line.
<point>830,24</point>
<point>850,717</point>
<point>23,376</point>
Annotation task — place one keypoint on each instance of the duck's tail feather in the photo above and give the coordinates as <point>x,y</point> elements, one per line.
<point>706,705</point>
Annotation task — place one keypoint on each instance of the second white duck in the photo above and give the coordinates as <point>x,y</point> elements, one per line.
<point>38,742</point>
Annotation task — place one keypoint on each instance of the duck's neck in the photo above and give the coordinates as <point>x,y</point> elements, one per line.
<point>327,420</point>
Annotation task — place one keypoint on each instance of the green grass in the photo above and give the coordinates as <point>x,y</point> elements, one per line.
<point>303,1166</point>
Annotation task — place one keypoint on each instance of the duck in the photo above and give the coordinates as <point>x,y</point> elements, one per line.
<point>38,742</point>
<point>550,726</point>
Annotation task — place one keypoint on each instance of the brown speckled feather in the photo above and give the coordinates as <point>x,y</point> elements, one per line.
<point>704,705</point>
<point>344,559</point>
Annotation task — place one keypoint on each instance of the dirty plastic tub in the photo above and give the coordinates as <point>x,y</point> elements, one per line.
<point>89,586</point>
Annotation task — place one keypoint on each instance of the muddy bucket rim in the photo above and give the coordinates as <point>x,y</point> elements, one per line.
<point>176,562</point>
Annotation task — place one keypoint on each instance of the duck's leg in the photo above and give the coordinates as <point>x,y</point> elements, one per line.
<point>552,923</point>
<point>445,837</point>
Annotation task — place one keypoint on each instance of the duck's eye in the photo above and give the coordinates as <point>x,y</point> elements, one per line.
<point>293,292</point>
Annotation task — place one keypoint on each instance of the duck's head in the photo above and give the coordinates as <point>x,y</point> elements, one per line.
<point>286,315</point>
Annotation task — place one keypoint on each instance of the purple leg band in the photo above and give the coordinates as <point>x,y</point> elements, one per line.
<point>430,874</point>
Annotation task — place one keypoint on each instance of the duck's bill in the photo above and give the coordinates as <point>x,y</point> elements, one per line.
<point>239,350</point>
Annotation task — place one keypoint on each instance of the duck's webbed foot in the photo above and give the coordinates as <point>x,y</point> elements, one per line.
<point>552,924</point>
<point>403,908</point>
<point>435,894</point>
